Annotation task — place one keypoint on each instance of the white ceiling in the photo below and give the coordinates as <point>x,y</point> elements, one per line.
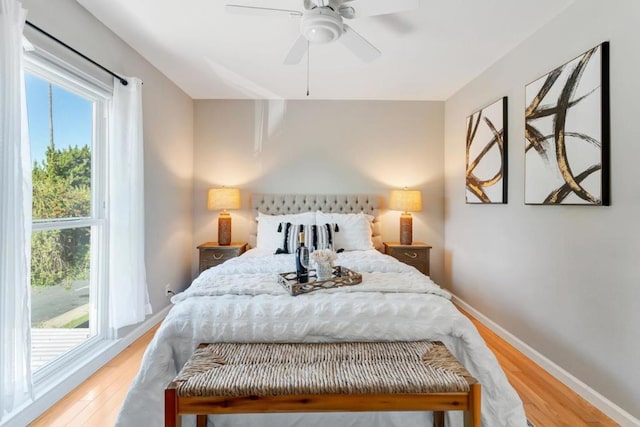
<point>427,54</point>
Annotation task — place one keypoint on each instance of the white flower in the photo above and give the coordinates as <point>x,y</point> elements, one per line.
<point>323,256</point>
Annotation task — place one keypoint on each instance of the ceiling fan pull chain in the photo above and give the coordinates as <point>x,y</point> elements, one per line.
<point>308,54</point>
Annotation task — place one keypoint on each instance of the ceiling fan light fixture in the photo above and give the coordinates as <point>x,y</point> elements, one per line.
<point>321,25</point>
<point>347,12</point>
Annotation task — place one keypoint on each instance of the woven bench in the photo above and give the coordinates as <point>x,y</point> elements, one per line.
<point>229,378</point>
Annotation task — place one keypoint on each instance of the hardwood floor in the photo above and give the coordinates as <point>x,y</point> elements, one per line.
<point>547,402</point>
<point>96,402</point>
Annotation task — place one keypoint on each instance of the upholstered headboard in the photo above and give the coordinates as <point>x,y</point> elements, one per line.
<point>279,204</point>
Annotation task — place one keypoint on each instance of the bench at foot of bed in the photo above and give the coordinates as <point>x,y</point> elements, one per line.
<point>230,378</point>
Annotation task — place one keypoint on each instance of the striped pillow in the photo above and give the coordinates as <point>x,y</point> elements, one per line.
<point>325,236</point>
<point>291,237</point>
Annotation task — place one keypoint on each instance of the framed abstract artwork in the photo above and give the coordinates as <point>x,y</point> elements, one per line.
<point>486,169</point>
<point>567,133</point>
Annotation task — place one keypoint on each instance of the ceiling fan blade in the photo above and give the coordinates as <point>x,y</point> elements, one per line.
<point>359,8</point>
<point>359,45</point>
<point>297,51</point>
<point>254,10</point>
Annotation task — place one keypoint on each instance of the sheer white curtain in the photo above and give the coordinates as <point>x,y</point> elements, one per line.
<point>128,294</point>
<point>15,216</point>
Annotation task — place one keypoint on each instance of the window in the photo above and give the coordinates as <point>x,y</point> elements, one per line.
<point>67,128</point>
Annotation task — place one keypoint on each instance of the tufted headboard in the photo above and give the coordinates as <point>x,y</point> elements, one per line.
<point>279,204</point>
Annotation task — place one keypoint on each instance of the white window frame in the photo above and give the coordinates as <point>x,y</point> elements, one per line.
<point>51,68</point>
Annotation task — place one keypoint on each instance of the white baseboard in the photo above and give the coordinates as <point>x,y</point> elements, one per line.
<point>50,394</point>
<point>609,408</point>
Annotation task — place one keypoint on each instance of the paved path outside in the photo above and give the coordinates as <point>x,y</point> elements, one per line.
<point>53,301</point>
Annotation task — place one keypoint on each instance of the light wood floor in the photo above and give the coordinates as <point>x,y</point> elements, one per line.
<point>96,402</point>
<point>547,402</point>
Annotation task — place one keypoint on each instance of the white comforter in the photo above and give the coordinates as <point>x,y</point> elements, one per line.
<point>241,301</point>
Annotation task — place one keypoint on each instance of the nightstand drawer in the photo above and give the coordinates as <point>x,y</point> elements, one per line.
<point>211,257</point>
<point>416,255</point>
<point>211,254</point>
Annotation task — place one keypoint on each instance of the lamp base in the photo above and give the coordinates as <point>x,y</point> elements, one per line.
<point>406,229</point>
<point>224,229</point>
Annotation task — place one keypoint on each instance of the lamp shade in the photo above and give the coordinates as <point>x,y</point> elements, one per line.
<point>223,198</point>
<point>406,200</point>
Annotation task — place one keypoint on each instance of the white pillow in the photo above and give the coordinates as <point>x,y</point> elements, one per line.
<point>354,230</point>
<point>268,236</point>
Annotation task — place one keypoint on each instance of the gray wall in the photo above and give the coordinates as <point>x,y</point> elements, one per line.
<point>323,147</point>
<point>563,279</point>
<point>168,139</point>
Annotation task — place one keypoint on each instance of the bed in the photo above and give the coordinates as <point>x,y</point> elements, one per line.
<point>241,301</point>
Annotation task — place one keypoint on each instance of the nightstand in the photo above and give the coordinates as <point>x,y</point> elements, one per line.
<point>416,254</point>
<point>211,253</point>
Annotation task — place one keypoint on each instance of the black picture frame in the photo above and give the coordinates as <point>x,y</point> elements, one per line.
<point>486,154</point>
<point>567,133</point>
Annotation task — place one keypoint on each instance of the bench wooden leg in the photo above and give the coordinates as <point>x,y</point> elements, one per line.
<point>201,420</point>
<point>438,418</point>
<point>473,414</point>
<point>171,417</point>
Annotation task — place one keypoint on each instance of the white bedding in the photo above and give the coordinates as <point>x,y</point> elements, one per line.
<point>241,301</point>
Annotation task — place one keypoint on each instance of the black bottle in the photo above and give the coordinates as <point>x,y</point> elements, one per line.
<point>302,260</point>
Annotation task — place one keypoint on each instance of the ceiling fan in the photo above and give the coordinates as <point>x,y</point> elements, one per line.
<point>321,21</point>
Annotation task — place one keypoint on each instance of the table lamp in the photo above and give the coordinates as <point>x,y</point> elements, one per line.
<point>406,201</point>
<point>223,199</point>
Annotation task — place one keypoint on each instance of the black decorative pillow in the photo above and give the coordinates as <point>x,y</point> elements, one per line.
<point>291,237</point>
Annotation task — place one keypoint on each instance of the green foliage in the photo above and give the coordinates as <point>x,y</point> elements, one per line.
<point>61,189</point>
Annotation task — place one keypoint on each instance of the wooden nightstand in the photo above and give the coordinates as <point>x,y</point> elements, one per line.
<point>416,254</point>
<point>211,253</point>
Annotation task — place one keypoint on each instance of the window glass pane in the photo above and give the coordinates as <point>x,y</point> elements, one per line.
<point>60,291</point>
<point>61,131</point>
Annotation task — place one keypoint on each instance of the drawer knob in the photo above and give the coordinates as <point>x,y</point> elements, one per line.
<point>411,254</point>
<point>218,256</point>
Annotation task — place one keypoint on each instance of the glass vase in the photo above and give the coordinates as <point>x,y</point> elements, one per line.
<point>324,271</point>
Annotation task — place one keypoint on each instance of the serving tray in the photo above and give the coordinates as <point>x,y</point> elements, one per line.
<point>341,276</point>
